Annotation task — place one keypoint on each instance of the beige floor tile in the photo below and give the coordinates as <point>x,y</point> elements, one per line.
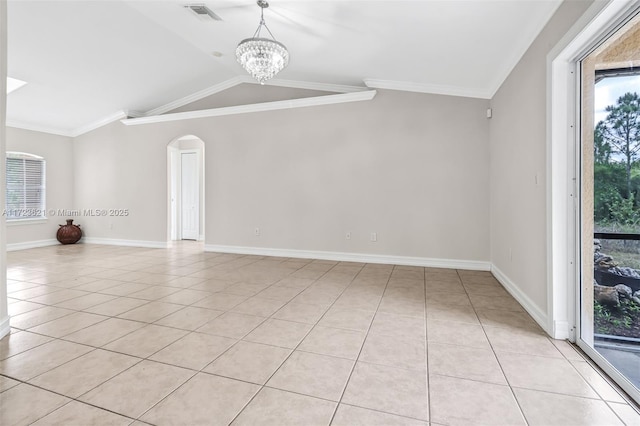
<point>99,285</point>
<point>348,415</point>
<point>232,325</point>
<point>348,319</point>
<point>466,402</point>
<point>545,374</point>
<point>548,409</point>
<point>38,316</point>
<point>203,400</point>
<point>139,388</point>
<point>486,290</point>
<point>86,301</point>
<point>7,383</point>
<point>394,351</point>
<point>438,298</point>
<point>151,312</point>
<point>274,332</point>
<point>465,363</point>
<point>300,312</point>
<point>400,306</point>
<point>503,303</point>
<point>449,286</point>
<point>146,341</point>
<point>68,324</point>
<point>32,292</point>
<point>14,343</point>
<point>185,282</point>
<point>77,413</point>
<point>388,389</point>
<point>24,404</point>
<point>189,318</point>
<point>210,285</point>
<point>453,314</point>
<point>521,341</point>
<point>124,289</point>
<point>334,342</point>
<point>568,350</point>
<point>84,373</point>
<point>628,415</point>
<point>273,407</point>
<point>507,319</point>
<point>314,375</point>
<point>154,293</point>
<point>281,293</point>
<point>58,296</point>
<point>185,297</point>
<point>104,332</point>
<point>22,306</point>
<point>245,289</point>
<point>295,282</point>
<point>398,325</point>
<point>259,307</point>
<point>221,301</point>
<point>194,351</point>
<point>116,306</point>
<point>597,382</point>
<point>250,362</point>
<point>457,333</point>
<point>38,360</point>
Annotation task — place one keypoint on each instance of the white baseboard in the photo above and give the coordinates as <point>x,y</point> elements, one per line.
<point>31,244</point>
<point>353,257</point>
<point>538,314</point>
<point>126,243</point>
<point>5,327</point>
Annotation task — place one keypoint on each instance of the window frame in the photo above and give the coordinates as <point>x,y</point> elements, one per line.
<point>14,155</point>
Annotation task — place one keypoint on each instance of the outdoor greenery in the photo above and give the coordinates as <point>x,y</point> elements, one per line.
<point>617,167</point>
<point>621,320</point>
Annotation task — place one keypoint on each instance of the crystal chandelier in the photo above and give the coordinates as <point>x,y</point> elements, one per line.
<point>263,58</point>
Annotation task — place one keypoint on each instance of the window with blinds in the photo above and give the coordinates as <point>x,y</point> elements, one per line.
<point>25,186</point>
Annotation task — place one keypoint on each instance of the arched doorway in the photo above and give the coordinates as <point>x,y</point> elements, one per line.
<point>185,164</point>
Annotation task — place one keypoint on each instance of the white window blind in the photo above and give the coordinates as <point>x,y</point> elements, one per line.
<point>25,186</point>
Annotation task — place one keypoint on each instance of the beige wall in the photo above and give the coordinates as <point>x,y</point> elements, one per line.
<point>518,158</point>
<point>412,167</point>
<point>58,154</point>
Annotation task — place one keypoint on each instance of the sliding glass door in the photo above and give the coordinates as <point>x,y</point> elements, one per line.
<point>610,205</point>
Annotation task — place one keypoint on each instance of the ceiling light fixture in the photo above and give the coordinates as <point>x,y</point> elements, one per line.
<point>263,58</point>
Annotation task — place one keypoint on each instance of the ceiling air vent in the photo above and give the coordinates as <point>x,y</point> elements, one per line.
<point>203,12</point>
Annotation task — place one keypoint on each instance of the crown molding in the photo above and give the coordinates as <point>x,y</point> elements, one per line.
<point>245,79</point>
<point>38,128</point>
<point>65,132</point>
<point>308,85</point>
<point>227,84</point>
<point>264,106</point>
<point>435,89</point>
<point>99,123</point>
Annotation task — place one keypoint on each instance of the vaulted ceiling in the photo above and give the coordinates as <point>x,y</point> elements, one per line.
<point>85,61</point>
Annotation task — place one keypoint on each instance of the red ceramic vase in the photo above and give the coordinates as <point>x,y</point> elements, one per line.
<point>69,233</point>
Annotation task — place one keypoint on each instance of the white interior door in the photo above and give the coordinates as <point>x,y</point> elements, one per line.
<point>189,194</point>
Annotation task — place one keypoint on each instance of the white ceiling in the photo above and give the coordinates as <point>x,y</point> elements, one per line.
<point>84,61</point>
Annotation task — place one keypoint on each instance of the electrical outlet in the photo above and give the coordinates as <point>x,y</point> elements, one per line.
<point>257,232</point>
<point>347,236</point>
<point>374,237</point>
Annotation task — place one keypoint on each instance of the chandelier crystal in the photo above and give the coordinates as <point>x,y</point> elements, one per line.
<point>263,58</point>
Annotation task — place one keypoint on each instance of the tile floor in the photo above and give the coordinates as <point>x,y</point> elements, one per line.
<point>117,336</point>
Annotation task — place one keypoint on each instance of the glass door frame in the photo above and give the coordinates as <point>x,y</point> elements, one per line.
<point>584,328</point>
